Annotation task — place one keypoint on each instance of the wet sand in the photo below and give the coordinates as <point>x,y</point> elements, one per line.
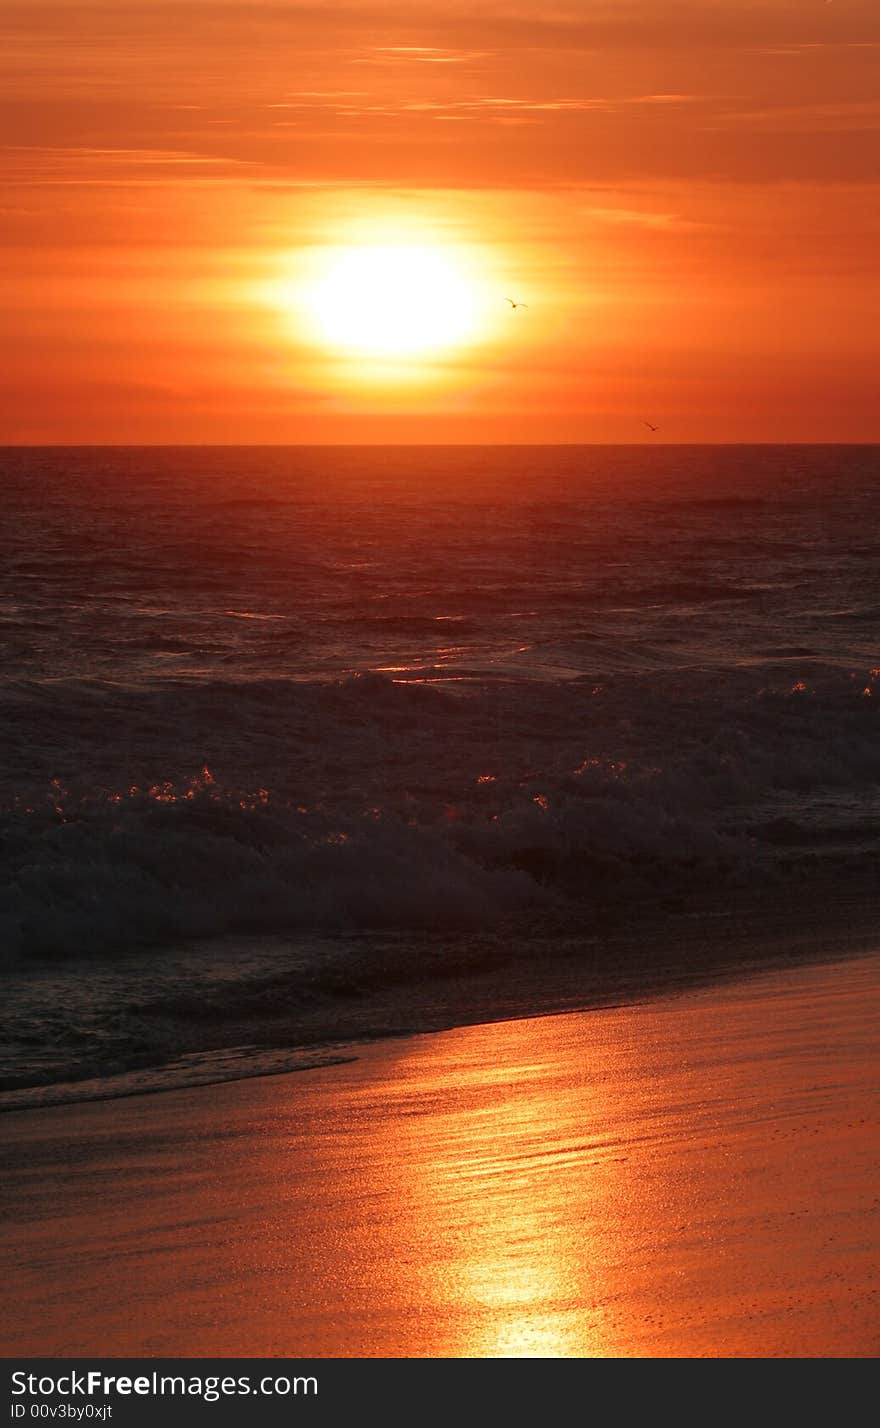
<point>691,1176</point>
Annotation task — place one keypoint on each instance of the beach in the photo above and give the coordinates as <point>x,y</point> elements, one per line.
<point>439,691</point>
<point>693,1175</point>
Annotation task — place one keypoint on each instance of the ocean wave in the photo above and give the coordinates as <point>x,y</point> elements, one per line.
<point>402,714</point>
<point>376,803</point>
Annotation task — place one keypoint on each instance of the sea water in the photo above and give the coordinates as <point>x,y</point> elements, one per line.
<point>260,706</point>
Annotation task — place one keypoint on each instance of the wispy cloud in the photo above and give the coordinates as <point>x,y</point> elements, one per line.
<point>842,114</point>
<point>42,165</point>
<point>477,108</point>
<point>667,99</point>
<point>804,47</point>
<point>640,218</point>
<point>420,54</point>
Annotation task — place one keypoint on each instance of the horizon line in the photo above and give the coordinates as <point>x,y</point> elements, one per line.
<point>402,445</point>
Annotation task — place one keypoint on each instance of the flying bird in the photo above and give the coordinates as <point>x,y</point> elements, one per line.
<point>515,304</point>
<point>650,427</point>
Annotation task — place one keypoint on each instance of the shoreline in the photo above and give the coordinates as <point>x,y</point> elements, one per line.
<point>685,1177</point>
<point>581,973</point>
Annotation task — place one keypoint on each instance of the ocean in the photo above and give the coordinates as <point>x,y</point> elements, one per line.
<point>285,730</point>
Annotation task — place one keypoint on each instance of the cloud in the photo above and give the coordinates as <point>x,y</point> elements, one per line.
<point>47,165</point>
<point>419,54</point>
<point>433,94</point>
<point>660,222</point>
<point>806,47</point>
<point>843,114</point>
<point>667,99</point>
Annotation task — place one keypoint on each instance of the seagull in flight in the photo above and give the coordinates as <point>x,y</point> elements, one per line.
<point>650,427</point>
<point>515,304</point>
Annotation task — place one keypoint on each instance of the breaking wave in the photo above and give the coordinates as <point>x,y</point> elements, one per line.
<point>378,803</point>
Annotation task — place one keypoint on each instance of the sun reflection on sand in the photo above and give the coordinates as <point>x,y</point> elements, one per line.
<point>485,1187</point>
<point>534,1311</point>
<point>688,1177</point>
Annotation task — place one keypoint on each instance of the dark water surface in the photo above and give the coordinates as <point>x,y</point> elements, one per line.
<point>260,706</point>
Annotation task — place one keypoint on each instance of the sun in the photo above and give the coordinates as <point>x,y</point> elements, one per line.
<point>393,302</point>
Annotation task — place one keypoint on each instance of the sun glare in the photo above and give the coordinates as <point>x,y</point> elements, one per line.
<point>392,302</point>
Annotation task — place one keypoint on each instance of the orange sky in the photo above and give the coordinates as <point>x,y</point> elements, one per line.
<point>685,192</point>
